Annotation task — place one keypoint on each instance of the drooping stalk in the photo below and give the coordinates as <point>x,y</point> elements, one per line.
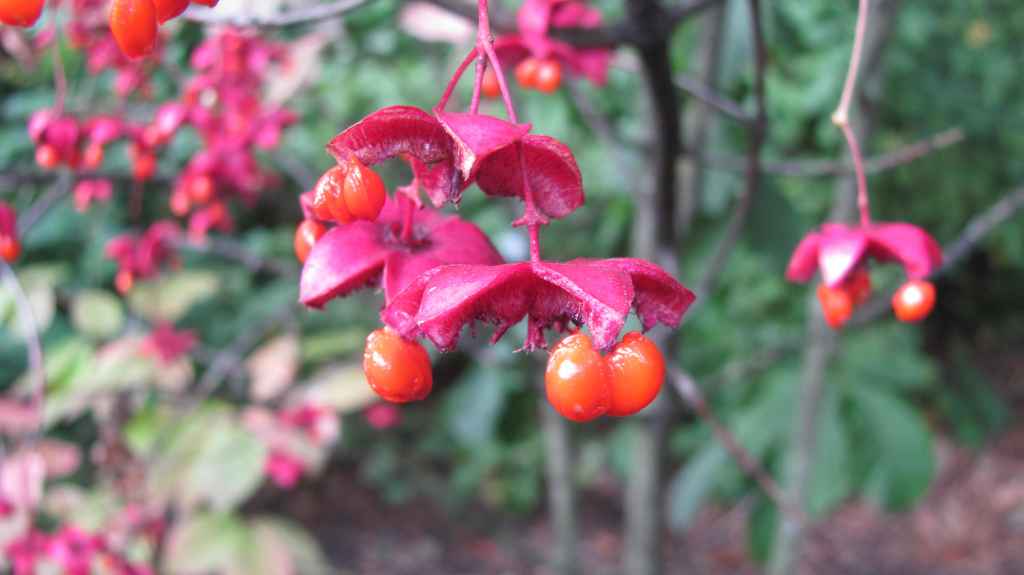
<point>841,117</point>
<point>455,79</point>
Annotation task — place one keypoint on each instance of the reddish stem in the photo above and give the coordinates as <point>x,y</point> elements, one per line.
<point>841,117</point>
<point>455,79</point>
<point>478,81</point>
<point>484,43</point>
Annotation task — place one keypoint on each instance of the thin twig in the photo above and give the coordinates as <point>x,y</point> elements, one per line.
<point>712,98</point>
<point>42,206</point>
<point>753,169</point>
<point>690,393</point>
<point>305,15</point>
<point>235,251</point>
<point>819,168</point>
<point>228,359</point>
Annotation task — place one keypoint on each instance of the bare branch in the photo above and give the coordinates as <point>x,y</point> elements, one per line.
<point>235,251</point>
<point>42,206</point>
<point>690,393</point>
<point>228,359</point>
<point>34,346</point>
<point>304,15</point>
<point>753,168</point>
<point>710,97</point>
<point>812,168</point>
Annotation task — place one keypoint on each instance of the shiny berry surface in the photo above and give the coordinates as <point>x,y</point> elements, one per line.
<point>167,9</point>
<point>134,26</point>
<point>489,86</point>
<point>47,157</point>
<point>328,200</point>
<point>306,235</point>
<point>637,372</point>
<point>577,379</point>
<point>92,158</point>
<point>914,301</point>
<point>22,13</point>
<point>363,192</point>
<point>526,72</point>
<point>397,369</point>
<point>10,249</point>
<point>548,77</point>
<point>836,305</point>
<point>201,189</point>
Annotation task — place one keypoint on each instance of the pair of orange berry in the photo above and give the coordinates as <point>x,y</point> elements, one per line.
<point>349,192</point>
<point>581,385</point>
<point>134,23</point>
<point>543,75</point>
<point>911,303</point>
<point>23,13</point>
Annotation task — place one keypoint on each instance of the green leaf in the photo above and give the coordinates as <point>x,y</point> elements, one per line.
<point>761,529</point>
<point>283,547</point>
<point>170,297</point>
<point>905,463</point>
<point>343,388</point>
<point>97,314</point>
<point>207,543</point>
<point>228,467</point>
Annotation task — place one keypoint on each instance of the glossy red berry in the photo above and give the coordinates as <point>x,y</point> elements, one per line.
<point>143,166</point>
<point>47,157</point>
<point>914,301</point>
<point>637,371</point>
<point>201,189</point>
<point>306,235</point>
<point>92,158</point>
<point>397,369</point>
<point>489,86</point>
<point>167,9</point>
<point>836,305</point>
<point>526,72</point>
<point>124,281</point>
<point>22,13</point>
<point>548,76</point>
<point>577,379</point>
<point>328,200</point>
<point>364,192</point>
<point>134,26</point>
<point>180,203</point>
<point>10,249</point>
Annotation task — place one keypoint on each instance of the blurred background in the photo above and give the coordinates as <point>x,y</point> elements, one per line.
<point>208,424</point>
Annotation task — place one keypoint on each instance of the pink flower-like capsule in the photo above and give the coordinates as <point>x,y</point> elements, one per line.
<point>363,253</point>
<point>841,253</point>
<point>283,469</point>
<point>450,151</point>
<point>140,257</point>
<point>536,19</point>
<point>168,344</point>
<point>595,293</point>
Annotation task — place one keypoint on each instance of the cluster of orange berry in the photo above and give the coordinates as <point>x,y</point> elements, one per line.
<point>543,75</point>
<point>344,194</point>
<point>911,303</point>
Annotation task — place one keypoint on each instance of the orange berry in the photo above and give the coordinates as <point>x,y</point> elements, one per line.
<point>144,167</point>
<point>123,281</point>
<point>200,189</point>
<point>364,192</point>
<point>397,369</point>
<point>836,305</point>
<point>637,371</point>
<point>328,196</point>
<point>10,249</point>
<point>22,13</point>
<point>526,72</point>
<point>180,203</point>
<point>306,235</point>
<point>914,301</point>
<point>167,9</point>
<point>577,379</point>
<point>47,157</point>
<point>489,86</point>
<point>548,76</point>
<point>92,158</point>
<point>210,3</point>
<point>858,285</point>
<point>134,26</point>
